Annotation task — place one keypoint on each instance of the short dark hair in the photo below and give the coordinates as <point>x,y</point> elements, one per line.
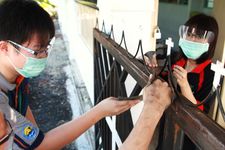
<point>205,22</point>
<point>21,19</point>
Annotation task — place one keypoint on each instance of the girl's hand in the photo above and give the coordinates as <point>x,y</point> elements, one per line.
<point>181,76</point>
<point>112,106</point>
<point>151,61</point>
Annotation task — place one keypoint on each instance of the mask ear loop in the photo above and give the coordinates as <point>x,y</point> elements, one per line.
<point>16,47</point>
<point>22,54</point>
<point>16,68</point>
<point>9,59</point>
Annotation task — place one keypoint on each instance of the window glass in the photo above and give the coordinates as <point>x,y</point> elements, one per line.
<point>175,1</point>
<point>93,1</point>
<point>209,3</point>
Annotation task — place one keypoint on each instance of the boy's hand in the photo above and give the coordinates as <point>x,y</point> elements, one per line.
<point>112,106</point>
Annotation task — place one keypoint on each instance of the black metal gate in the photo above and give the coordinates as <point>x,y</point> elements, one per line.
<point>111,68</point>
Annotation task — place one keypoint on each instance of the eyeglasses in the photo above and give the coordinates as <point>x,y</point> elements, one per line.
<point>187,32</point>
<point>6,137</point>
<point>193,35</point>
<point>33,52</point>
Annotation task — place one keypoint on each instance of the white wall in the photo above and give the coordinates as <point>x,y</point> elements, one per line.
<point>136,18</point>
<point>218,13</point>
<point>80,51</point>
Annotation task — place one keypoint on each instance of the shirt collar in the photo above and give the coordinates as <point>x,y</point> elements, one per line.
<point>199,68</point>
<point>5,85</point>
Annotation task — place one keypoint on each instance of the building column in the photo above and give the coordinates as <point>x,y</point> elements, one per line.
<point>218,11</point>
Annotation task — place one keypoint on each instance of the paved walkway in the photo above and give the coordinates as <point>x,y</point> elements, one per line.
<point>58,95</point>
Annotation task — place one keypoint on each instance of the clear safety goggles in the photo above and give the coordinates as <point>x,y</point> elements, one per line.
<point>33,52</point>
<point>196,35</point>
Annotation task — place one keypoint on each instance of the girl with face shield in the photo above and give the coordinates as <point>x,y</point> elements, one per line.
<point>191,64</point>
<point>192,69</point>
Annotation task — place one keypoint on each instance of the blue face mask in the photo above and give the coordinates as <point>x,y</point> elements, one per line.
<point>32,68</point>
<point>193,50</point>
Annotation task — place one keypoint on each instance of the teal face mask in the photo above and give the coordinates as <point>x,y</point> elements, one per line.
<point>32,68</point>
<point>193,50</point>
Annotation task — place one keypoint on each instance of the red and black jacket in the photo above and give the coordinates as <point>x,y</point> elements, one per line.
<point>200,80</point>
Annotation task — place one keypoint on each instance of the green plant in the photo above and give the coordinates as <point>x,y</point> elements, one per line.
<point>49,7</point>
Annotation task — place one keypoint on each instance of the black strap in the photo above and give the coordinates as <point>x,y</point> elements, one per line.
<point>6,137</point>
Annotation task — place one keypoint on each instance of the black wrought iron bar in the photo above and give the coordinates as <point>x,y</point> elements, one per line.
<point>115,81</point>
<point>103,27</point>
<point>132,66</point>
<point>107,82</point>
<point>98,84</point>
<point>137,89</point>
<point>97,75</point>
<point>98,63</point>
<point>123,76</point>
<point>111,34</point>
<point>123,40</point>
<point>101,62</point>
<point>112,82</point>
<point>104,52</point>
<point>110,59</point>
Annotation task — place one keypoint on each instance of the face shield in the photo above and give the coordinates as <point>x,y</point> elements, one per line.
<point>195,35</point>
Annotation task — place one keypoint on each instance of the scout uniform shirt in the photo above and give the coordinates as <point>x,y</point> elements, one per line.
<point>26,135</point>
